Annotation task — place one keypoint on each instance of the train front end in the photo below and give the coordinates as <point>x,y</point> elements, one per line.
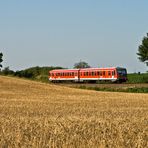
<point>121,74</point>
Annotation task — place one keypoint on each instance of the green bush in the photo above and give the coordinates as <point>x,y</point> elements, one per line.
<point>7,71</point>
<point>38,73</point>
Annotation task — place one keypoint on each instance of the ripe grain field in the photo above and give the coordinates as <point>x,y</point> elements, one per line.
<point>38,115</point>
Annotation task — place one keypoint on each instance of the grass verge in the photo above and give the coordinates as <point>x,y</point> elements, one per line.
<point>130,89</point>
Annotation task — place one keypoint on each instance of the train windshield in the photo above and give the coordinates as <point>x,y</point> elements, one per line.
<point>122,71</point>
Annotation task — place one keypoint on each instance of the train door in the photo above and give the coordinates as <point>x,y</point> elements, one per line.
<point>109,74</point>
<point>79,75</point>
<point>113,75</point>
<point>104,74</point>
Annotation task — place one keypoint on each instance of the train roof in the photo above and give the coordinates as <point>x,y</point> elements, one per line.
<point>84,69</point>
<point>98,68</point>
<point>59,70</point>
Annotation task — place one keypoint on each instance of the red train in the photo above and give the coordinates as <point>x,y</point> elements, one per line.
<point>114,74</point>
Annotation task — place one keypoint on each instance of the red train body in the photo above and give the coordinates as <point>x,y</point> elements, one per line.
<point>89,75</point>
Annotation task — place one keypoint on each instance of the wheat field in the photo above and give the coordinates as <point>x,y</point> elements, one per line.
<point>37,115</point>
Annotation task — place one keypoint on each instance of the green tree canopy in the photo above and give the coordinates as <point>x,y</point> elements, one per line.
<point>1,60</point>
<point>143,50</point>
<point>81,64</point>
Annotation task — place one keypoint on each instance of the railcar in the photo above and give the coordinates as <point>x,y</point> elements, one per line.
<point>114,74</point>
<point>60,75</point>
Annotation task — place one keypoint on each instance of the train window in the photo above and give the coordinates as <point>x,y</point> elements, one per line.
<point>81,74</point>
<point>100,73</point>
<point>89,73</point>
<point>109,73</point>
<point>86,73</point>
<point>103,73</point>
<point>75,74</point>
<point>93,73</point>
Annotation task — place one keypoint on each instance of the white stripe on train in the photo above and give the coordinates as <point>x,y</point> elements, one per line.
<point>81,79</point>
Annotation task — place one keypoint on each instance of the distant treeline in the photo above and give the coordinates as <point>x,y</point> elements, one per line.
<point>36,73</point>
<point>41,74</point>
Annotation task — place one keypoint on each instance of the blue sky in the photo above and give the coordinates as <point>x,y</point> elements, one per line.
<point>62,32</point>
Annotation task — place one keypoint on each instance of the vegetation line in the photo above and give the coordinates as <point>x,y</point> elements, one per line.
<point>130,89</point>
<point>41,74</point>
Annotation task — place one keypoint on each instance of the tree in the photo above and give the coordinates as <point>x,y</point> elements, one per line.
<point>81,64</point>
<point>7,71</point>
<point>143,50</point>
<point>1,60</point>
